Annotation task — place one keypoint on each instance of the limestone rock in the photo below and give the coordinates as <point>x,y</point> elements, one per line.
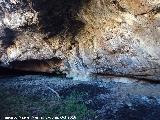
<point>118,37</point>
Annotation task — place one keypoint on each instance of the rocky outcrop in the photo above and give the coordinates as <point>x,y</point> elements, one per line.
<point>109,37</point>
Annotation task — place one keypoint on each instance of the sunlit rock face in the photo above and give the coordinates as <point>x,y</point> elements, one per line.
<point>116,37</point>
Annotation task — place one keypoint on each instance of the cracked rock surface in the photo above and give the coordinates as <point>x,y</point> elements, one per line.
<point>118,37</point>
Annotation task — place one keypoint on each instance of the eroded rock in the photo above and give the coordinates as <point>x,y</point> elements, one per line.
<point>118,37</point>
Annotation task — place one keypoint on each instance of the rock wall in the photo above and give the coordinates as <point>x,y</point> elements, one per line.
<point>107,37</point>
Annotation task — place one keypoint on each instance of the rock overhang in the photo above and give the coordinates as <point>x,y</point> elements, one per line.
<point>110,40</point>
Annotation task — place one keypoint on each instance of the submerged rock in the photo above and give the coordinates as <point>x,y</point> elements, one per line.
<point>116,37</point>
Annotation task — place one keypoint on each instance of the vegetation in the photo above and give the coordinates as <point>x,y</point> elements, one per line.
<point>13,104</point>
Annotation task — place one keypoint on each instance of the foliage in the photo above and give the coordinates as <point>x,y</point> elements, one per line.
<point>13,104</point>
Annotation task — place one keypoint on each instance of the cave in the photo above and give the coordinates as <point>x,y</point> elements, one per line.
<point>80,59</point>
<point>33,67</point>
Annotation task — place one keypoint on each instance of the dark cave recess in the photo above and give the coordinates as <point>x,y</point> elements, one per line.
<point>32,67</point>
<point>59,16</point>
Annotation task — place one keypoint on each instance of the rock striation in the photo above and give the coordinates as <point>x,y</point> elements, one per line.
<point>107,37</point>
